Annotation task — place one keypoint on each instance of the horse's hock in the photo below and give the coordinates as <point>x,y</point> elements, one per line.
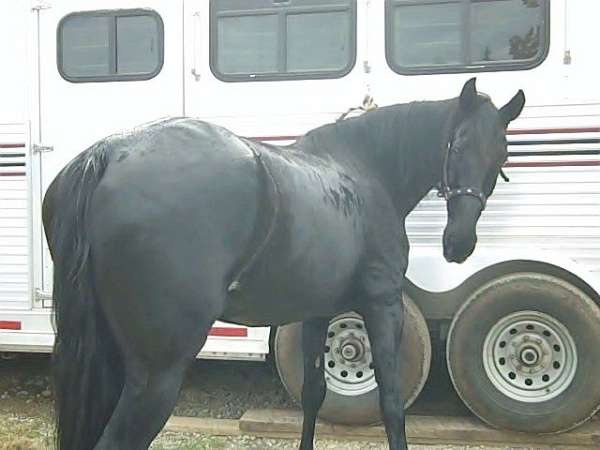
<point>352,395</point>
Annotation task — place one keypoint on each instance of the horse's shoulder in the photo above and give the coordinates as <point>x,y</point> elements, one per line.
<point>385,234</point>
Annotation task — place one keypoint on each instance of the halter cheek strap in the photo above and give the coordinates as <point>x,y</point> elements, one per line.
<point>446,192</point>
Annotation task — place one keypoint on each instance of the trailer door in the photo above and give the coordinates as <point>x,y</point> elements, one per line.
<point>104,66</point>
<point>15,247</point>
<point>273,69</point>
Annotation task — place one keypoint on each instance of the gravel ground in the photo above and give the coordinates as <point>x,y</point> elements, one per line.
<point>217,389</point>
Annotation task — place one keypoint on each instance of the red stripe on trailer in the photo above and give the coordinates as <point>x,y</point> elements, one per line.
<point>553,164</point>
<point>554,130</point>
<point>12,174</point>
<point>10,325</point>
<point>12,145</point>
<point>509,132</point>
<point>228,332</point>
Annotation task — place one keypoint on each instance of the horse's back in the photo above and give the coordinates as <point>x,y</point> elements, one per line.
<point>181,207</point>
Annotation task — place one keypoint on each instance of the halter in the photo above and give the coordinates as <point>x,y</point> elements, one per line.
<point>445,191</point>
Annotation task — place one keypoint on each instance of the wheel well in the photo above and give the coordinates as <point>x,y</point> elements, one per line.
<point>443,305</point>
<point>515,266</point>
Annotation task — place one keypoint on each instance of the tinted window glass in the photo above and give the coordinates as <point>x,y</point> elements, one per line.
<point>248,44</point>
<point>463,35</point>
<point>267,39</point>
<point>137,44</point>
<point>110,45</point>
<point>506,30</point>
<point>318,41</point>
<point>86,49</point>
<point>427,34</point>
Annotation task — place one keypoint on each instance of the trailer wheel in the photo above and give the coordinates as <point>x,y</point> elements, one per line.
<point>523,353</point>
<point>352,396</point>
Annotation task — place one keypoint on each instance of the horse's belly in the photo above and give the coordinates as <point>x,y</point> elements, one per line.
<point>284,293</point>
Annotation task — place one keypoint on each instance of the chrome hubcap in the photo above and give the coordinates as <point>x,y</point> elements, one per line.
<point>348,361</point>
<point>530,356</point>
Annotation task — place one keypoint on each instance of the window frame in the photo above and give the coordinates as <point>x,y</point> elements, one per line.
<point>494,66</point>
<point>113,45</point>
<point>281,8</point>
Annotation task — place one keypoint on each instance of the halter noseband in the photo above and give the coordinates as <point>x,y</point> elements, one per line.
<point>445,191</point>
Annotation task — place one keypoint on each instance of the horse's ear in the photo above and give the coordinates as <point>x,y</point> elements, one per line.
<point>512,109</point>
<point>468,95</point>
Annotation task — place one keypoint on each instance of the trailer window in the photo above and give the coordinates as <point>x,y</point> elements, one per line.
<point>466,35</point>
<point>278,40</point>
<point>118,45</point>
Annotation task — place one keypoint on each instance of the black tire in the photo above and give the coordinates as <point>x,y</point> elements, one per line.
<point>361,409</point>
<point>564,396</point>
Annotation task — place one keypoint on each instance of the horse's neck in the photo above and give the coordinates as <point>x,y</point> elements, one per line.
<point>410,140</point>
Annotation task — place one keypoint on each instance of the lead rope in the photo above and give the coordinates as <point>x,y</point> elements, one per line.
<point>368,104</point>
<point>236,284</point>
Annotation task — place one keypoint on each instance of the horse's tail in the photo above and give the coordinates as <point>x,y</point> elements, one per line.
<point>87,366</point>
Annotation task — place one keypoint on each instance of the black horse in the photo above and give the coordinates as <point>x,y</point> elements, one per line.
<point>157,233</point>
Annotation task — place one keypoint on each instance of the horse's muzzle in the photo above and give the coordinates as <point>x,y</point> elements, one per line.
<point>458,249</point>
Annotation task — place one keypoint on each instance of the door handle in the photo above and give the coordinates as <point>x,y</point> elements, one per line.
<point>196,46</point>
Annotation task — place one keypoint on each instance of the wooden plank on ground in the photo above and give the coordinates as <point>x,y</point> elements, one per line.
<point>419,430</point>
<point>213,427</point>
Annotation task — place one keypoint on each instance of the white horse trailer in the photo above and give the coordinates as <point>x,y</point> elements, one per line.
<point>520,318</point>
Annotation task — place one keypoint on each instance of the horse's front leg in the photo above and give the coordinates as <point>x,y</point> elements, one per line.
<point>384,320</point>
<point>314,333</point>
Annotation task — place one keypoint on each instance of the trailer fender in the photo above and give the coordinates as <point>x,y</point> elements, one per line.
<point>429,271</point>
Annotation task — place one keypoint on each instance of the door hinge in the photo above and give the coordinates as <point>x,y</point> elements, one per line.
<point>40,296</point>
<point>39,5</point>
<point>36,148</point>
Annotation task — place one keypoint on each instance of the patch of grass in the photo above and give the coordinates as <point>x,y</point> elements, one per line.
<point>18,432</point>
<point>192,441</point>
<point>25,433</point>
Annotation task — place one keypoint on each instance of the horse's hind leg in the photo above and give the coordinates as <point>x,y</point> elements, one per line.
<point>149,395</point>
<point>314,332</point>
<point>146,402</point>
<point>384,320</point>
